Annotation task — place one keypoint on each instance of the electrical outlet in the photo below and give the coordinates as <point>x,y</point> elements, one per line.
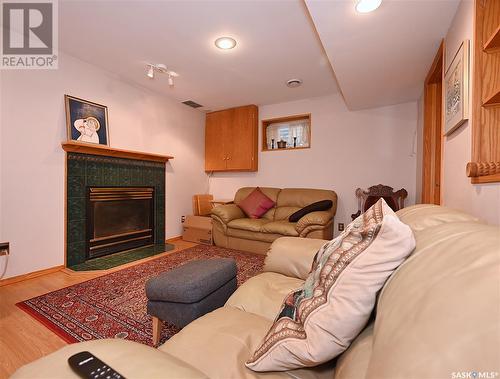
<point>183,218</point>
<point>4,248</point>
<point>341,226</point>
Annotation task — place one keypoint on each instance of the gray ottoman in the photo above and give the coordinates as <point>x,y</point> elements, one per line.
<point>185,293</point>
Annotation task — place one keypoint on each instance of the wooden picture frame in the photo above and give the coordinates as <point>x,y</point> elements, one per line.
<point>86,121</point>
<point>456,90</point>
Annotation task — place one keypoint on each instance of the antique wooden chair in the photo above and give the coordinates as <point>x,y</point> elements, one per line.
<point>368,197</point>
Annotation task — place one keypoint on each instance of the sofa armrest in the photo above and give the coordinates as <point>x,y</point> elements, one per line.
<point>321,218</point>
<point>292,256</point>
<point>132,359</point>
<point>227,212</point>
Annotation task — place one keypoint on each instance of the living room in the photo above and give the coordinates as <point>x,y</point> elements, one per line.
<point>326,106</point>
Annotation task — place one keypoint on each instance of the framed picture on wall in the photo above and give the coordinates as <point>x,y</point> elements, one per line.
<point>86,122</point>
<point>456,90</point>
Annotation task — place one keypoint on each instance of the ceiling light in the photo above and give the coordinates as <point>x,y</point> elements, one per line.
<point>366,6</point>
<point>225,43</point>
<point>151,72</point>
<point>294,83</point>
<point>162,69</point>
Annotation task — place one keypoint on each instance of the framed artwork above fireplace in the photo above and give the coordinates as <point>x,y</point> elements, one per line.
<point>86,122</point>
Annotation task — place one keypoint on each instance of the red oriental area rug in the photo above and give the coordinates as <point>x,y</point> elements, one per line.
<point>114,305</point>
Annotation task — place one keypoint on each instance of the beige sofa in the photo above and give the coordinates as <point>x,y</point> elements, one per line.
<point>436,317</point>
<point>233,229</point>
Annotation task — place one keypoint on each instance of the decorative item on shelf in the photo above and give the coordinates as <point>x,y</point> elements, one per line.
<point>281,144</point>
<point>294,142</point>
<point>86,121</point>
<point>272,143</point>
<point>456,82</point>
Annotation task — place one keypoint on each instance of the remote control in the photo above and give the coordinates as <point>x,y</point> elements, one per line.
<point>88,366</point>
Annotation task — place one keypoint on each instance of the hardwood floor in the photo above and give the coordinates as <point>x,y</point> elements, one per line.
<point>22,338</point>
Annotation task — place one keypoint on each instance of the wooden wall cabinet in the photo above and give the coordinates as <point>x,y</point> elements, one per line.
<point>231,137</point>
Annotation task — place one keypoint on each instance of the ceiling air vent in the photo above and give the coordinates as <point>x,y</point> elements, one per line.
<point>192,104</point>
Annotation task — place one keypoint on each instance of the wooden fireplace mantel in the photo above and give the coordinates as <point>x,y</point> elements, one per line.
<point>86,148</point>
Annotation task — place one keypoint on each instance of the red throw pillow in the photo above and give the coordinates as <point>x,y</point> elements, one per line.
<point>256,204</point>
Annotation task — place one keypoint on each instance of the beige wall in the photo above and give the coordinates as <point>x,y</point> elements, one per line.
<point>480,200</point>
<point>32,161</point>
<point>349,150</point>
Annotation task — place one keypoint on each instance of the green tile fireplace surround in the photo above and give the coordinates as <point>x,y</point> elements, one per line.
<point>87,170</point>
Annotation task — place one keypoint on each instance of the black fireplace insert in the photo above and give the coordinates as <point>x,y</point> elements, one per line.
<point>118,219</point>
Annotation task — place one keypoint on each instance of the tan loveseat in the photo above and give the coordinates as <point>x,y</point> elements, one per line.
<point>436,317</point>
<point>233,229</point>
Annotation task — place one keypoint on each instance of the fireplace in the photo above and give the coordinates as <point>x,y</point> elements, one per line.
<point>97,187</point>
<point>118,219</point>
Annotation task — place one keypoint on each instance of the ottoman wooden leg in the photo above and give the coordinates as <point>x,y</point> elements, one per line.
<point>156,330</point>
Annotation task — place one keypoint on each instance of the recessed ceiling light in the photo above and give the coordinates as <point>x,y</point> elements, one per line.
<point>225,43</point>
<point>294,83</point>
<point>366,6</point>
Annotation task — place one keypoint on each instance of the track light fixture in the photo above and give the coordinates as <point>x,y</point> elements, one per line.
<point>151,72</point>
<point>162,69</point>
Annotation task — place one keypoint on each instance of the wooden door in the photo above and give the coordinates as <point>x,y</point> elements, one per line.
<point>216,129</point>
<point>433,132</point>
<point>241,139</point>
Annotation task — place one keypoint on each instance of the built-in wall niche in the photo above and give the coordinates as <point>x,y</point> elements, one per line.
<point>286,133</point>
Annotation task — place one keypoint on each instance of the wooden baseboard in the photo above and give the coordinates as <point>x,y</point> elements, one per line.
<point>31,275</point>
<point>173,239</point>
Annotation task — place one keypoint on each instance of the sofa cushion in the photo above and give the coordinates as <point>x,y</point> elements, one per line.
<point>423,216</point>
<point>271,193</point>
<point>251,224</point>
<point>442,302</point>
<point>249,235</point>
<point>353,363</point>
<point>318,321</point>
<point>284,228</point>
<point>292,256</point>
<point>256,204</point>
<point>131,359</point>
<point>322,205</point>
<point>283,213</point>
<point>263,294</point>
<point>219,343</point>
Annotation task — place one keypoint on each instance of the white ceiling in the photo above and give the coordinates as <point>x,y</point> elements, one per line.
<point>276,42</point>
<point>381,58</point>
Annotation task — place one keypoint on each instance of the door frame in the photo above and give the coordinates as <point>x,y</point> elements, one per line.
<point>433,130</point>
